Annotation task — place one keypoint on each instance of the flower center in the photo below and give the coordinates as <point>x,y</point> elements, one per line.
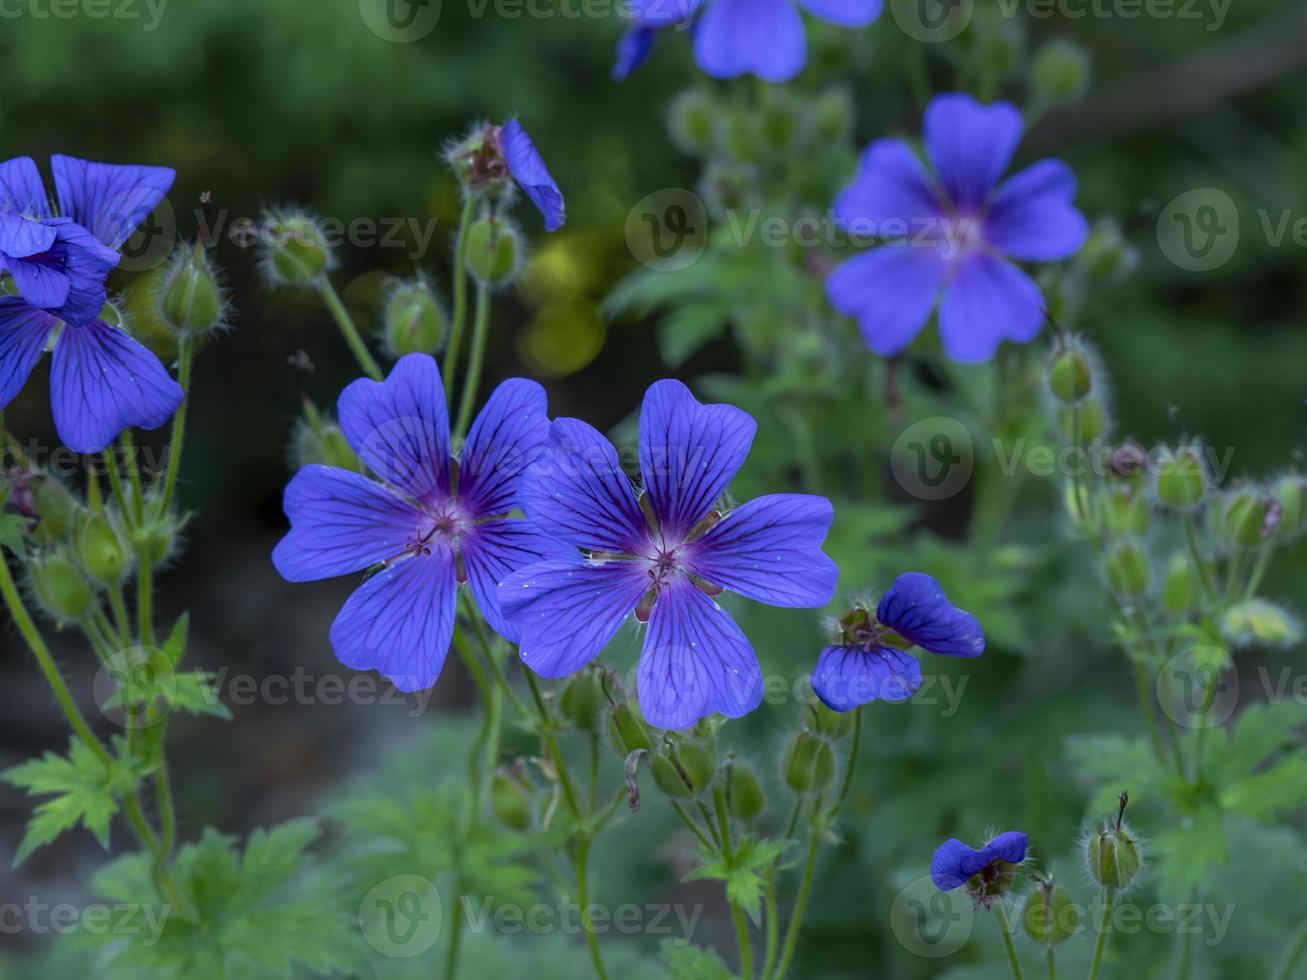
<point>446,524</point>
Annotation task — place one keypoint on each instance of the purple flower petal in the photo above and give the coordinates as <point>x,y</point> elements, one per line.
<point>846,677</point>
<point>508,435</point>
<point>953,864</point>
<point>764,37</point>
<point>41,282</point>
<point>108,199</point>
<point>661,13</point>
<point>23,333</point>
<point>529,170</point>
<point>68,278</point>
<point>688,453</point>
<point>891,290</point>
<point>341,522</point>
<point>1032,216</point>
<point>400,621</point>
<point>845,13</point>
<point>1009,846</point>
<point>495,551</point>
<point>578,492</point>
<point>916,608</point>
<point>567,611</point>
<point>970,145</point>
<point>695,661</point>
<point>21,190</point>
<point>102,382</point>
<point>891,196</point>
<point>633,49</point>
<point>769,549</point>
<point>400,427</point>
<point>989,301</point>
<point>21,236</point>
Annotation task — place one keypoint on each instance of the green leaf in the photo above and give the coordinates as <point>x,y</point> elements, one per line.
<point>195,692</point>
<point>1190,847</point>
<point>689,328</point>
<point>743,873</point>
<point>689,962</point>
<point>175,646</point>
<point>13,534</point>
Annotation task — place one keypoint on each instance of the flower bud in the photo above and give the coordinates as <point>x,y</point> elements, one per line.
<point>684,769</point>
<point>809,763</point>
<point>1125,511</point>
<point>744,792</point>
<point>1049,916</point>
<point>626,732</point>
<point>61,588</point>
<point>510,801</point>
<point>156,538</point>
<point>101,549</point>
<point>1258,622</point>
<point>1059,71</point>
<point>835,725</point>
<point>295,252</point>
<point>1180,478</point>
<point>190,299</point>
<point>783,124</point>
<point>494,251</point>
<point>1179,590</point>
<point>320,440</point>
<point>1127,568</point>
<point>1106,254</point>
<point>692,121</point>
<point>1244,517</point>
<point>55,508</point>
<point>582,699</point>
<point>742,137</point>
<point>1092,424</point>
<point>832,116</point>
<point>413,321</point>
<point>1114,855</point>
<point>1290,492</point>
<point>1070,374</point>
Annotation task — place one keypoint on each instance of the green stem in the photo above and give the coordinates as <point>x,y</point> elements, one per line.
<point>460,297</point>
<point>728,854</point>
<point>1293,955</point>
<point>847,786</point>
<point>690,822</point>
<point>800,906</point>
<point>347,328</point>
<point>1004,928</point>
<point>1050,960</point>
<point>773,918</point>
<point>472,380</point>
<point>1105,926</point>
<point>1195,555</point>
<point>185,356</point>
<point>1259,569</point>
<point>582,893</point>
<point>455,937</point>
<point>128,445</point>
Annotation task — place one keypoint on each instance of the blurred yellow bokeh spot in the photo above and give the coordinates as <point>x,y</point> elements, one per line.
<point>562,338</point>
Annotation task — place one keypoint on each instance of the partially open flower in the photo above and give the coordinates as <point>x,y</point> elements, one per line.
<point>987,873</point>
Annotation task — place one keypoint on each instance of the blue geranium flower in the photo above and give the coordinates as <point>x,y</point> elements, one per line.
<point>948,237</point>
<point>662,556</point>
<point>987,873</point>
<point>101,380</point>
<point>737,37</point>
<point>870,665</point>
<point>528,169</point>
<point>429,525</point>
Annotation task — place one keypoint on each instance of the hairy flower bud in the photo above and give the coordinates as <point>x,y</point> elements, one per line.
<point>190,299</point>
<point>783,124</point>
<point>1070,374</point>
<point>692,121</point>
<point>1180,478</point>
<point>809,763</point>
<point>1107,255</point>
<point>582,699</point>
<point>1179,590</point>
<point>1114,854</point>
<point>1290,492</point>
<point>1059,71</point>
<point>510,800</point>
<point>1049,916</point>
<point>494,251</point>
<point>320,440</point>
<point>1127,568</point>
<point>101,549</point>
<point>1125,511</point>
<point>1092,423</point>
<point>835,725</point>
<point>744,792</point>
<point>413,321</point>
<point>1244,518</point>
<point>684,768</point>
<point>832,116</point>
<point>295,251</point>
<point>626,732</point>
<point>1259,622</point>
<point>61,588</point>
<point>54,507</point>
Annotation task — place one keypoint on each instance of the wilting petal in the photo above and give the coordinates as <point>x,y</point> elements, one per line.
<point>954,862</point>
<point>400,621</point>
<point>566,611</point>
<point>688,452</point>
<point>987,302</point>
<point>341,522</point>
<point>1032,216</point>
<point>578,492</point>
<point>528,168</point>
<point>23,332</point>
<point>770,550</point>
<point>110,200</point>
<point>1009,846</point>
<point>845,13</point>
<point>916,608</point>
<point>695,661</point>
<point>891,196</point>
<point>846,677</point>
<point>21,236</point>
<point>496,550</point>
<point>970,145</point>
<point>764,37</point>
<point>102,382</point>
<point>507,436</point>
<point>891,290</point>
<point>21,190</point>
<point>633,48</point>
<point>400,427</point>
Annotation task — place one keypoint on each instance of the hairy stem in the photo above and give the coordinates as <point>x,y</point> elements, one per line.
<point>347,329</point>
